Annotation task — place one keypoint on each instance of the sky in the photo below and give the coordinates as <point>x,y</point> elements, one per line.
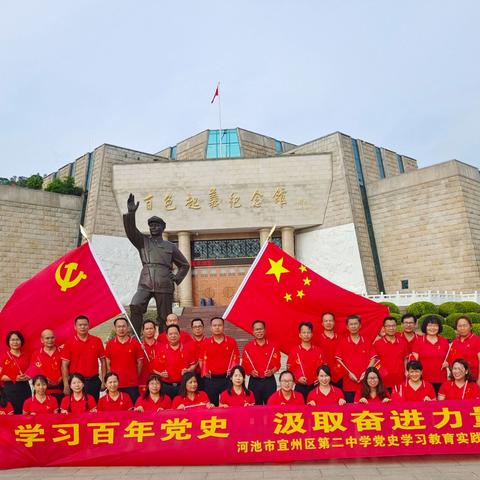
<point>74,75</point>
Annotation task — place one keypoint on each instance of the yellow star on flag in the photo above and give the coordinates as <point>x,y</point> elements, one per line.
<point>300,294</point>
<point>302,268</point>
<point>288,297</point>
<point>277,268</point>
<point>307,281</point>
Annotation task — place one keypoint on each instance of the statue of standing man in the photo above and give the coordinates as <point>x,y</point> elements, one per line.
<point>158,257</point>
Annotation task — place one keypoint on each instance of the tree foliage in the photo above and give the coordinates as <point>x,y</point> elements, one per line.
<point>65,185</point>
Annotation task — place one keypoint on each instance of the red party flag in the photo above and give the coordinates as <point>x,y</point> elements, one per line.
<point>282,292</point>
<point>216,94</point>
<point>71,286</point>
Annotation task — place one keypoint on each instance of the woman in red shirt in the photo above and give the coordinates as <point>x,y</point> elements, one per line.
<point>78,401</point>
<point>114,400</point>
<point>5,406</point>
<point>153,400</point>
<point>432,351</point>
<point>325,393</point>
<point>372,389</point>
<point>286,395</point>
<point>462,385</point>
<point>189,396</point>
<point>13,365</point>
<point>414,389</point>
<point>40,402</point>
<point>237,394</point>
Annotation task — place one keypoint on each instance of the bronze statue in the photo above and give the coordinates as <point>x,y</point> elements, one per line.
<point>157,278</point>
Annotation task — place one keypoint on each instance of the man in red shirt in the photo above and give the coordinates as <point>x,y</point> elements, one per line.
<point>198,336</point>
<point>172,319</point>
<point>304,359</point>
<point>173,360</point>
<point>409,322</point>
<point>391,353</point>
<point>125,357</point>
<point>219,354</point>
<point>150,345</point>
<point>48,362</point>
<point>81,354</point>
<point>355,355</point>
<point>261,359</point>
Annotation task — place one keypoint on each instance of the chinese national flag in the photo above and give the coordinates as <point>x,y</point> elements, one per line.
<point>71,286</point>
<point>283,293</point>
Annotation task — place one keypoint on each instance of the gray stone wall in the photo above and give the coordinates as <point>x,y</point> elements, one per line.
<point>36,228</point>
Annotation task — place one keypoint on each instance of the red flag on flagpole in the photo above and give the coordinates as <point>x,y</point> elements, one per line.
<point>216,94</point>
<point>282,292</point>
<point>71,286</point>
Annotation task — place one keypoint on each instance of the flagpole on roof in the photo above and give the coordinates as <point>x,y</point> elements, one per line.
<point>220,120</point>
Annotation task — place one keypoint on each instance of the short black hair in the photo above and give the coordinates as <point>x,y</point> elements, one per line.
<point>173,325</point>
<point>119,318</point>
<point>217,318</point>
<point>306,324</point>
<point>81,317</point>
<point>196,319</point>
<point>409,315</point>
<point>18,334</point>
<point>388,318</point>
<point>431,319</point>
<point>353,317</point>
<point>258,321</point>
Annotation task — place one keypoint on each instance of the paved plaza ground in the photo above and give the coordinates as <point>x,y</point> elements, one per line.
<point>401,468</point>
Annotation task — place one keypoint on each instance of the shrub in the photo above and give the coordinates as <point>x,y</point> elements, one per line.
<point>452,318</point>
<point>471,307</point>
<point>445,309</point>
<point>391,307</point>
<point>66,186</point>
<point>423,317</point>
<point>397,317</point>
<point>448,332</point>
<point>476,328</point>
<point>422,308</point>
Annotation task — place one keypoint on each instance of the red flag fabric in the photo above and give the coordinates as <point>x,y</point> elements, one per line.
<point>216,94</point>
<point>72,285</point>
<point>282,292</point>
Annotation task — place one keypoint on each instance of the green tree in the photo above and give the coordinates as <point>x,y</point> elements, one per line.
<point>34,181</point>
<point>66,186</point>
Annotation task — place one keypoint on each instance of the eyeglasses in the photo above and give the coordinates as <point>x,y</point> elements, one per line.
<point>286,381</point>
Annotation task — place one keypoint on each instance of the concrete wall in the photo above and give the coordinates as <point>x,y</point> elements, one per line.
<point>427,225</point>
<point>36,228</point>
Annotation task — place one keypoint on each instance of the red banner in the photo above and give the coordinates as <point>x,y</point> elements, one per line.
<point>240,435</point>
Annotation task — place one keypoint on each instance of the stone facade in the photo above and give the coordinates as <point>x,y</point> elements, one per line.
<point>36,228</point>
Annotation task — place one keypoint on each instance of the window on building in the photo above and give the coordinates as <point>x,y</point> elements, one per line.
<point>278,146</point>
<point>401,167</point>
<point>173,153</point>
<point>229,248</point>
<point>223,143</point>
<point>381,169</point>
<point>404,284</point>
<point>73,168</point>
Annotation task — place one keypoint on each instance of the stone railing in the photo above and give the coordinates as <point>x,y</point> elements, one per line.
<point>405,299</point>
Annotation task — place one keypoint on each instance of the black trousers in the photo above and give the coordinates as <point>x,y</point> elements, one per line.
<point>304,389</point>
<point>170,389</point>
<point>132,391</point>
<point>16,394</point>
<point>92,386</point>
<point>262,388</point>
<point>139,304</point>
<point>214,386</point>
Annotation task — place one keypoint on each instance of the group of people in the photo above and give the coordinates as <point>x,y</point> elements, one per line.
<point>178,370</point>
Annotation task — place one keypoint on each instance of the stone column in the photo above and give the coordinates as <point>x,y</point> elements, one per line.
<point>185,293</point>
<point>263,235</point>
<point>288,240</point>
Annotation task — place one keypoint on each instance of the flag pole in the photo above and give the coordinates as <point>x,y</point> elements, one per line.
<point>220,120</point>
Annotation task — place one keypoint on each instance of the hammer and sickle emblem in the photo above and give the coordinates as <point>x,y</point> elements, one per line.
<point>66,281</point>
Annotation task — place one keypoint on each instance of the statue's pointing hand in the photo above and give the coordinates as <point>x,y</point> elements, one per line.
<point>131,205</point>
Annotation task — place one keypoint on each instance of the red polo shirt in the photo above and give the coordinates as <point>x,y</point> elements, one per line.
<point>260,357</point>
<point>123,360</point>
<point>237,400</point>
<point>6,410</point>
<point>148,362</point>
<point>356,357</point>
<point>391,356</point>
<point>13,365</point>
<point>83,355</point>
<point>304,362</point>
<point>200,400</point>
<point>49,365</point>
<point>149,405</point>
<point>432,355</point>
<point>219,357</point>
<point>407,393</point>
<point>329,347</point>
<point>467,348</point>
<point>198,349</point>
<point>277,398</point>
<point>83,405</point>
<point>108,404</point>
<point>411,342</point>
<point>452,391</point>
<point>174,360</point>
<point>33,405</point>
<point>332,397</point>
